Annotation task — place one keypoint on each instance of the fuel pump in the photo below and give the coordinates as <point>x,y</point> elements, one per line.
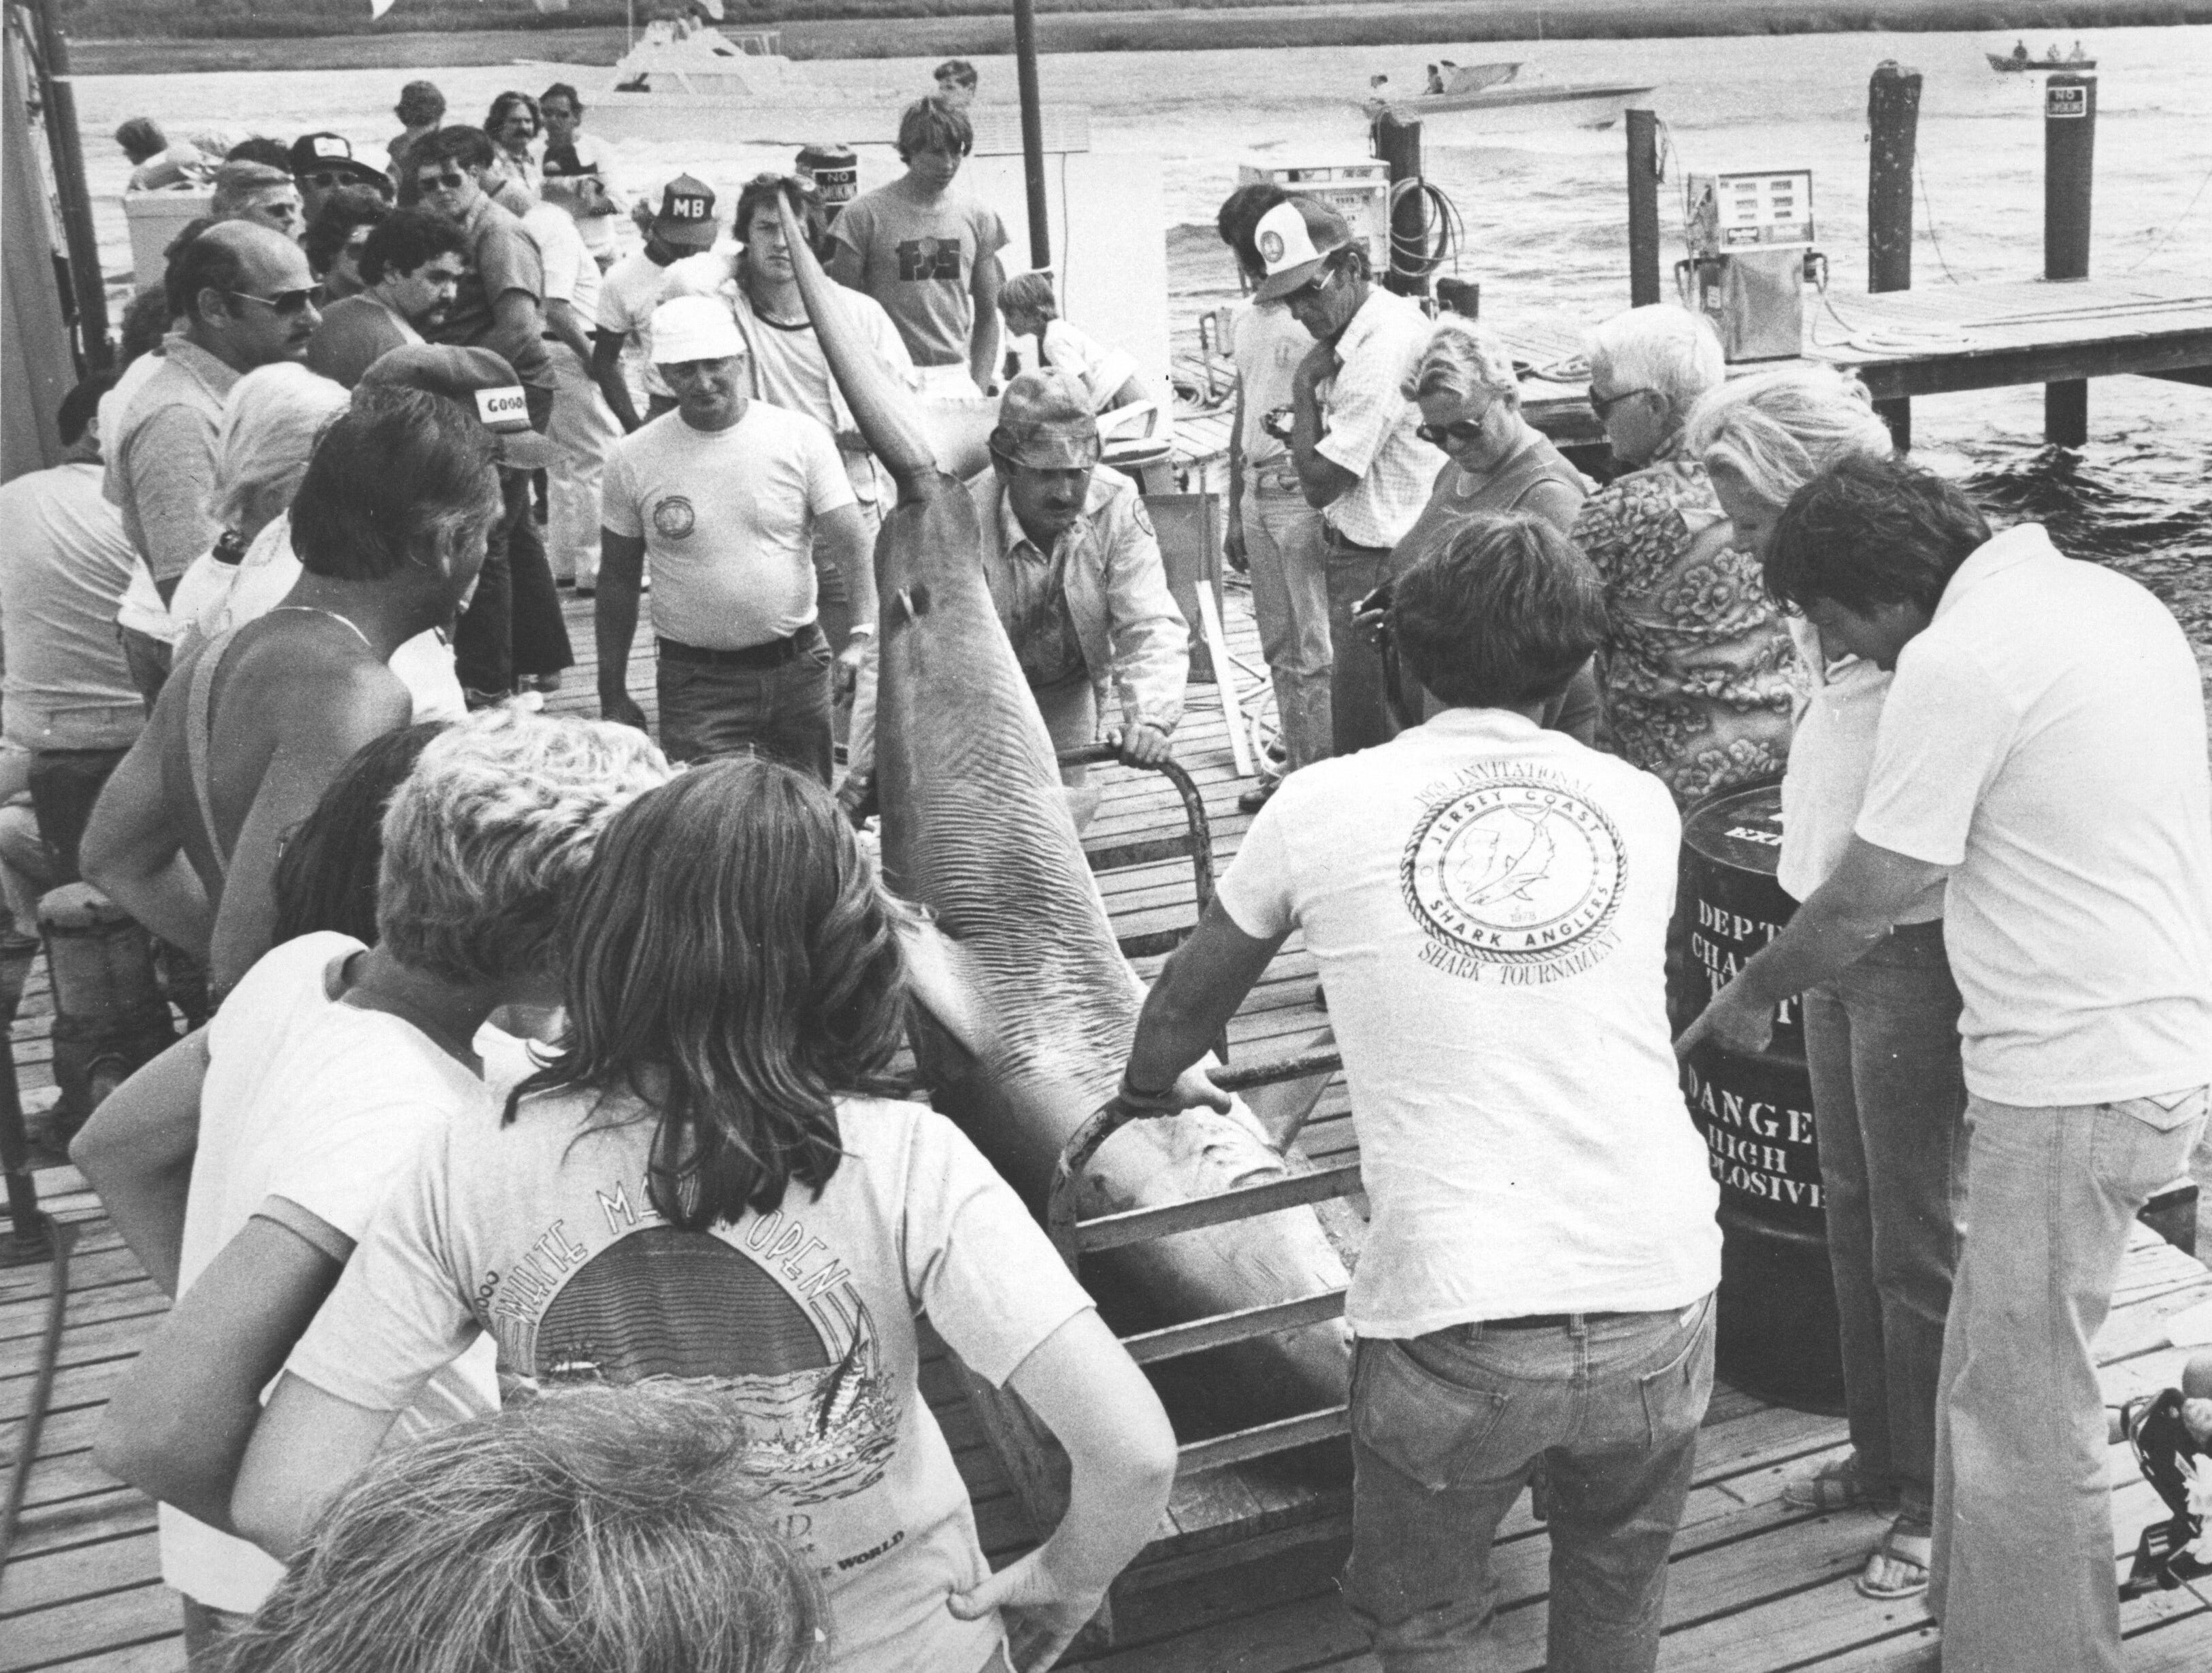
<point>1751,254</point>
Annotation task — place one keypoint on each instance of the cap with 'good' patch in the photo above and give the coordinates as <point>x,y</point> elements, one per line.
<point>485,384</point>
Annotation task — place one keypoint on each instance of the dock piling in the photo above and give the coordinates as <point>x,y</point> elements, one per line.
<point>1399,144</point>
<point>2070,149</point>
<point>1893,130</point>
<point>1642,207</point>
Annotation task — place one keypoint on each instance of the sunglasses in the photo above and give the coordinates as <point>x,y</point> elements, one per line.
<point>1603,404</point>
<point>438,182</point>
<point>1312,289</point>
<point>285,304</point>
<point>1459,429</point>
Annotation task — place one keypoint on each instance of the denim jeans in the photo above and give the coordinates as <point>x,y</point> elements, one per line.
<point>1447,1429</point>
<point>2023,1568</point>
<point>1359,713</point>
<point>783,712</point>
<point>1889,1104</point>
<point>1286,543</point>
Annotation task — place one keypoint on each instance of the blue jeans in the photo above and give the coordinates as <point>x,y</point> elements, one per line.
<point>1448,1428</point>
<point>2023,1569</point>
<point>783,712</point>
<point>1359,711</point>
<point>1283,542</point>
<point>1889,1104</point>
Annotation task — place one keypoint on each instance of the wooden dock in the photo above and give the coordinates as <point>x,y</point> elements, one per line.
<point>1756,1587</point>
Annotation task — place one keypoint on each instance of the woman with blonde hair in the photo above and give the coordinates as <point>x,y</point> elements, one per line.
<point>706,1184</point>
<point>1882,1040</point>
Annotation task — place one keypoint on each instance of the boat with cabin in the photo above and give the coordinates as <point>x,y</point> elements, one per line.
<point>1464,104</point>
<point>2018,62</point>
<point>678,80</point>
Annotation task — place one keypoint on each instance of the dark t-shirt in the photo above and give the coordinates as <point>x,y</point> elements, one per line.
<point>501,258</point>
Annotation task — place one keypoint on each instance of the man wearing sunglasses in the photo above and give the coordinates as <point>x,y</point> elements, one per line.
<point>1353,441</point>
<point>243,298</point>
<point>324,163</point>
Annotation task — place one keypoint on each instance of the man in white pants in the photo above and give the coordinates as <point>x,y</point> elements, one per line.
<point>582,428</point>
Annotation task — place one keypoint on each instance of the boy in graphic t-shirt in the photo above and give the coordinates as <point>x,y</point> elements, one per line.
<point>928,254</point>
<point>1488,902</point>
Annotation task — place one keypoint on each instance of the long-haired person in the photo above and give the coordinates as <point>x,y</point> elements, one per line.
<point>700,1185</point>
<point>1881,1039</point>
<point>327,1067</point>
<point>606,1530</point>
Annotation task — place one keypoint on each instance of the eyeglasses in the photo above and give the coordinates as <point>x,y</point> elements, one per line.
<point>285,304</point>
<point>1459,429</point>
<point>441,182</point>
<point>1603,404</point>
<point>325,182</point>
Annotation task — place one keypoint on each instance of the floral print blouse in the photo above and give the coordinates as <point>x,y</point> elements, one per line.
<point>1698,674</point>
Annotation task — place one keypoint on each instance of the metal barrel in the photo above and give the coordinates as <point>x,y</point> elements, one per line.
<point>1778,1326</point>
<point>836,171</point>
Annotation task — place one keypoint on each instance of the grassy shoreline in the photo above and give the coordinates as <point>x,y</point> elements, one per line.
<point>313,39</point>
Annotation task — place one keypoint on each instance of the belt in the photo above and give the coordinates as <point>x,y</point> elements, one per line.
<point>772,655</point>
<point>1547,1321</point>
<point>1286,480</point>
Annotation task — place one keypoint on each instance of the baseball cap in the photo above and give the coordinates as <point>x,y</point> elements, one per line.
<point>1045,421</point>
<point>694,328</point>
<point>332,154</point>
<point>482,383</point>
<point>687,214</point>
<point>1293,239</point>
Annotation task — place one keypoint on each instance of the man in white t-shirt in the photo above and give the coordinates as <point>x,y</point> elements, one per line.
<point>1488,903</point>
<point>1353,441</point>
<point>572,154</point>
<point>727,497</point>
<point>636,285</point>
<point>2042,746</point>
<point>582,428</point>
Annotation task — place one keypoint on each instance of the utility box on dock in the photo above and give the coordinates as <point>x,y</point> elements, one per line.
<point>1358,189</point>
<point>155,218</point>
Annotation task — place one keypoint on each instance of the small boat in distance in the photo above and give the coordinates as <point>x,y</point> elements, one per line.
<point>1465,103</point>
<point>2018,62</point>
<point>679,81</point>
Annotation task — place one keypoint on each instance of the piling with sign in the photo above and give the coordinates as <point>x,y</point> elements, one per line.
<point>1779,1332</point>
<point>2069,154</point>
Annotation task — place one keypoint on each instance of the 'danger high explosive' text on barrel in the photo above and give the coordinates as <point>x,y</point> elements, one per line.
<point>1778,1326</point>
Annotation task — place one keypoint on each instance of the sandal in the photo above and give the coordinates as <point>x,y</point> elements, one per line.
<point>1911,1546</point>
<point>1842,1486</point>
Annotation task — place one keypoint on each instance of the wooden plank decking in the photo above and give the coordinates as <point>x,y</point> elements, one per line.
<point>1755,1587</point>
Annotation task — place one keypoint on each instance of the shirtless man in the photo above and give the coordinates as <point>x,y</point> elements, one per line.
<point>389,524</point>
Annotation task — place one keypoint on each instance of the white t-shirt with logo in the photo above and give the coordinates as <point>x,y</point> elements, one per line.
<point>540,1234</point>
<point>1488,903</point>
<point>309,1103</point>
<point>2044,738</point>
<point>727,517</point>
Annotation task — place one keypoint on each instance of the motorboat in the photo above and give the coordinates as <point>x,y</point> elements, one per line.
<point>2018,63</point>
<point>1477,101</point>
<point>677,80</point>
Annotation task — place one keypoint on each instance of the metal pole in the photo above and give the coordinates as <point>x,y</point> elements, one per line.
<point>68,146</point>
<point>1894,128</point>
<point>1642,207</point>
<point>2069,153</point>
<point>1025,67</point>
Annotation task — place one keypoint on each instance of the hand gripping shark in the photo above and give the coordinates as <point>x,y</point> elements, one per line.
<point>1034,1008</point>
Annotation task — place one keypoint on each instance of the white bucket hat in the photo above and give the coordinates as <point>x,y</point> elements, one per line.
<point>694,328</point>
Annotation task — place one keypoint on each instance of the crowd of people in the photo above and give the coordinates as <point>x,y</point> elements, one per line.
<point>539,1168</point>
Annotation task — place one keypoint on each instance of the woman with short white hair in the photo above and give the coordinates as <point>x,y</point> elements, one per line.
<point>1881,1041</point>
<point>1697,674</point>
<point>1497,464</point>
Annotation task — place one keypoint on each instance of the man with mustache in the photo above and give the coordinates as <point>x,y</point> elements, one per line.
<point>412,265</point>
<point>242,297</point>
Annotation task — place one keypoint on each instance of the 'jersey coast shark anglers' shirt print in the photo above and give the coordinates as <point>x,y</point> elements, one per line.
<point>542,1233</point>
<point>1513,872</point>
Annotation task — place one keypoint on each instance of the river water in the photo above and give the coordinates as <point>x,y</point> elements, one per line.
<point>1544,213</point>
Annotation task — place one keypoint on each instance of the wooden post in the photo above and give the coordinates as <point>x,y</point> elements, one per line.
<point>1892,126</point>
<point>1026,76</point>
<point>1642,207</point>
<point>1399,144</point>
<point>2069,150</point>
<point>59,90</point>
